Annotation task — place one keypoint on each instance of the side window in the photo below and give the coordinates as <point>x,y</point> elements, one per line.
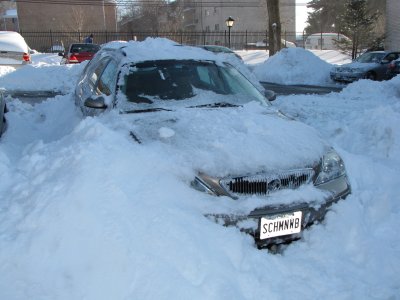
<point>106,83</point>
<point>391,56</point>
<point>95,74</point>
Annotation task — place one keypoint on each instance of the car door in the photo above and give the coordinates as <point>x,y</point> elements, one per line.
<point>101,83</point>
<point>383,70</point>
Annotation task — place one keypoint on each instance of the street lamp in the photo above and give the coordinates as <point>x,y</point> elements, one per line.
<point>229,24</point>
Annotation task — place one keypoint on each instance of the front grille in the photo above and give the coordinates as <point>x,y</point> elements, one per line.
<point>266,183</point>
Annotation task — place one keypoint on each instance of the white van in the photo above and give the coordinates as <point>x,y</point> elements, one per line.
<point>13,49</point>
<point>314,41</point>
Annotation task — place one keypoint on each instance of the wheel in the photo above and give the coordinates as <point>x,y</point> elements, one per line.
<point>370,76</point>
<point>4,121</point>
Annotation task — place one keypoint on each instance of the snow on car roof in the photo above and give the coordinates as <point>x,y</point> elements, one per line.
<point>160,49</point>
<point>12,41</point>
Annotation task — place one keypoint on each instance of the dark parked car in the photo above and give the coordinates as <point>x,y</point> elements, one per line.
<point>78,53</point>
<point>3,110</point>
<point>370,65</point>
<point>394,68</point>
<point>208,117</point>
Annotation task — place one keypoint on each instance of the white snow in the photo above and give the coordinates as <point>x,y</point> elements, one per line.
<point>87,213</point>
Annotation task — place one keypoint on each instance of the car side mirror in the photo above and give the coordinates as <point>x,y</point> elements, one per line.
<point>385,61</point>
<point>270,95</point>
<point>60,53</point>
<point>97,103</point>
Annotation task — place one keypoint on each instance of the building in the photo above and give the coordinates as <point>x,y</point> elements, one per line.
<point>392,41</point>
<point>72,15</point>
<point>8,16</point>
<point>249,15</point>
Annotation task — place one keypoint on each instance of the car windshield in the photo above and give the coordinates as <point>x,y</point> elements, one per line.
<point>201,82</point>
<point>371,57</point>
<point>79,48</point>
<point>218,49</point>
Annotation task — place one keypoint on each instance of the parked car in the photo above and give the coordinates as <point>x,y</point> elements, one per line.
<point>13,49</point>
<point>394,68</point>
<point>78,53</point>
<point>169,96</point>
<point>220,49</point>
<point>370,65</point>
<point>3,111</point>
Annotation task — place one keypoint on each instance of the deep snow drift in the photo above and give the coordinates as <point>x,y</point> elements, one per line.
<point>85,213</point>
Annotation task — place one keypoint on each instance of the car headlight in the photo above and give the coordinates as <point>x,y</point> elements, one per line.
<point>202,186</point>
<point>332,167</point>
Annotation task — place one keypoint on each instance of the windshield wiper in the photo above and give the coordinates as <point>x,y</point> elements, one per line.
<point>138,111</point>
<point>215,105</point>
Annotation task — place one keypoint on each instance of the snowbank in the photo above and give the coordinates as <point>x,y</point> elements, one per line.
<point>86,213</point>
<point>294,66</point>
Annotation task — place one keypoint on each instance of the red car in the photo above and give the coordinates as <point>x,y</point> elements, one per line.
<point>78,53</point>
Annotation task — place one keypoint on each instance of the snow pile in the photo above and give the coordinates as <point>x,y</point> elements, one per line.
<point>294,66</point>
<point>47,77</point>
<point>87,213</point>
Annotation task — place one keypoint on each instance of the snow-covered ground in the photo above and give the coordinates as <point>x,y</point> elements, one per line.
<point>85,213</point>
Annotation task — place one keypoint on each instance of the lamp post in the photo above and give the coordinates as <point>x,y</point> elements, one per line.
<point>229,23</point>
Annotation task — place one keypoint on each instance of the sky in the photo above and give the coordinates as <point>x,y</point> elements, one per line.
<point>301,14</point>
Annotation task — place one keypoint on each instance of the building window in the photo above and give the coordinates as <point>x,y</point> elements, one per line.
<point>215,11</point>
<point>207,12</point>
<point>208,28</point>
<point>216,27</point>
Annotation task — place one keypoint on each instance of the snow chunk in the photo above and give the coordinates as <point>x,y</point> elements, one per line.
<point>166,132</point>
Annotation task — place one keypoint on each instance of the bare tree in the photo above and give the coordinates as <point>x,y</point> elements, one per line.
<point>274,26</point>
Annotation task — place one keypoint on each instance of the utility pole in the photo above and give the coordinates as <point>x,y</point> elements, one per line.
<point>274,26</point>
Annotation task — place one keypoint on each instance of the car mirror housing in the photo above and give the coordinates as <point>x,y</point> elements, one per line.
<point>97,103</point>
<point>270,95</point>
<point>60,53</point>
<point>384,61</point>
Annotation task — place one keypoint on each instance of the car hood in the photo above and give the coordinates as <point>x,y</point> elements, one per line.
<point>356,65</point>
<point>229,140</point>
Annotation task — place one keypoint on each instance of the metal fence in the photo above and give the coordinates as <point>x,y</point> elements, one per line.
<point>53,41</point>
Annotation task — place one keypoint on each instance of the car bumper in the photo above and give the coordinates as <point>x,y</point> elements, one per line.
<point>346,76</point>
<point>311,213</point>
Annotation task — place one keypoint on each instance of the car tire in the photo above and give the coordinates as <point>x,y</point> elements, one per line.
<point>4,122</point>
<point>370,76</point>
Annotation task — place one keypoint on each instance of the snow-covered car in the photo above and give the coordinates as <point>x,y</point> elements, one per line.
<point>3,110</point>
<point>370,65</point>
<point>277,174</point>
<point>13,49</point>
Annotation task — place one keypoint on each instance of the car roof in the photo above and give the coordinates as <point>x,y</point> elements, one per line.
<point>157,49</point>
<point>12,41</point>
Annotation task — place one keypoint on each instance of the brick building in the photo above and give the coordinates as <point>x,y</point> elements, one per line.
<point>100,15</point>
<point>8,16</point>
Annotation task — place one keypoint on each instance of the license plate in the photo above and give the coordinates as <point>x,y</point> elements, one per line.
<point>279,225</point>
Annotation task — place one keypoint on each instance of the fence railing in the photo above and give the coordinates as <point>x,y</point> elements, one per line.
<point>52,41</point>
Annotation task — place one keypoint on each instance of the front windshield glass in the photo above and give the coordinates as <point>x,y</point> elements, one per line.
<point>370,57</point>
<point>196,82</point>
